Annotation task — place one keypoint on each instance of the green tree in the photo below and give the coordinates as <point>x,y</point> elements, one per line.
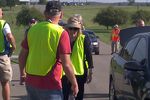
<point>10,3</point>
<point>3,3</point>
<point>111,16</point>
<point>42,1</point>
<point>141,14</point>
<point>26,14</point>
<point>17,1</point>
<point>131,2</point>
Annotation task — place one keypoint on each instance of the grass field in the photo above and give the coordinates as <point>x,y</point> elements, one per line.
<point>88,13</point>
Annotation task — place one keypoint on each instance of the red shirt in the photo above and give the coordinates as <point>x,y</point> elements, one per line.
<point>52,81</point>
<point>115,34</point>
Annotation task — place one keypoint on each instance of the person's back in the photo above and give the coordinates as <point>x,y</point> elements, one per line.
<point>45,49</point>
<point>42,42</point>
<point>7,46</point>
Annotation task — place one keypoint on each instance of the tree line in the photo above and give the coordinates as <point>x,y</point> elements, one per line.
<point>110,16</point>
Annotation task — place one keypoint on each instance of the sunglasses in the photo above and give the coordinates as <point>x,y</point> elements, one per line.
<point>73,29</point>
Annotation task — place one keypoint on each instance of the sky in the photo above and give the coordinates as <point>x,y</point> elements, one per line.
<point>103,1</point>
<point>106,1</point>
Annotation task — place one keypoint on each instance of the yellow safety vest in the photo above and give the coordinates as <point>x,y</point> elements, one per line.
<point>77,56</point>
<point>5,46</point>
<point>43,39</point>
<point>2,44</point>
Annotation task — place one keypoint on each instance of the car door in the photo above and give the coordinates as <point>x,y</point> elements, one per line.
<point>134,79</point>
<point>117,65</point>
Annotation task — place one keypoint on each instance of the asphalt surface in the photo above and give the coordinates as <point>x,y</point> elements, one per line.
<point>96,90</point>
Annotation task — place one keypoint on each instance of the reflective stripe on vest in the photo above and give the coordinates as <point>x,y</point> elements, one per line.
<point>2,41</point>
<point>43,39</point>
<point>77,56</point>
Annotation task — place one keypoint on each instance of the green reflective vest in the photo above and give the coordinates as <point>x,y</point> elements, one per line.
<point>2,42</point>
<point>43,39</point>
<point>77,56</point>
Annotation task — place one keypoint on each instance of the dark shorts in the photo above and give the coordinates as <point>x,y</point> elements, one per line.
<point>5,69</point>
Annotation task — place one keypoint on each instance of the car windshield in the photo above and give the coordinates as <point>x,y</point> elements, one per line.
<point>92,35</point>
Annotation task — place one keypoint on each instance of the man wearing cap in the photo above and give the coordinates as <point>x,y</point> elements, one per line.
<point>81,58</point>
<point>31,23</point>
<point>45,49</point>
<point>115,39</point>
<point>7,46</point>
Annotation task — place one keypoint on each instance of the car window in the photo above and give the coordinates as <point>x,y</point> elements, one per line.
<point>127,52</point>
<point>92,35</point>
<point>140,51</point>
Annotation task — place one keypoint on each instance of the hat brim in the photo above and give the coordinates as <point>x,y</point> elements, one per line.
<point>73,26</point>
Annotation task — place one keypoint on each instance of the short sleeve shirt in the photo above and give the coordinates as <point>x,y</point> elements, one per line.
<point>52,81</point>
<point>6,29</point>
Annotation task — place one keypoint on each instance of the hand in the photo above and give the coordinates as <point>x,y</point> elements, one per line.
<point>22,79</point>
<point>75,90</point>
<point>11,51</point>
<point>89,76</point>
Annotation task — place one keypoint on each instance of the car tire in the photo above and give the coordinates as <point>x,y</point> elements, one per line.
<point>112,94</point>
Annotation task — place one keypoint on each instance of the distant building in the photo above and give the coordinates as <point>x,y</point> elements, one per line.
<point>30,1</point>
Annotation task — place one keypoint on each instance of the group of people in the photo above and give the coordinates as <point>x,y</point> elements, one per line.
<point>115,39</point>
<point>54,61</point>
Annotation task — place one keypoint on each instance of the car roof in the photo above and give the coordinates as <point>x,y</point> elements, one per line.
<point>126,34</point>
<point>88,31</point>
<point>146,34</point>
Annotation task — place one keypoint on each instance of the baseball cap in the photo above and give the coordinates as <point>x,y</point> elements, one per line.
<point>33,21</point>
<point>52,6</point>
<point>73,22</point>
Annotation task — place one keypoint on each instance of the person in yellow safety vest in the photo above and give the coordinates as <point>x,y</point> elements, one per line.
<point>115,39</point>
<point>7,47</point>
<point>81,58</point>
<point>45,52</point>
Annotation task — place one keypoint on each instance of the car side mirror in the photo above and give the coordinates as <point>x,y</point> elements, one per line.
<point>133,66</point>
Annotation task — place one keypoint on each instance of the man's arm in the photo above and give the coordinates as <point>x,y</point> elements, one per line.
<point>88,58</point>
<point>22,63</point>
<point>68,69</point>
<point>11,40</point>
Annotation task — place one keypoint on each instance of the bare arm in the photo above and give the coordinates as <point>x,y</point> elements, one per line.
<point>11,40</point>
<point>22,63</point>
<point>68,68</point>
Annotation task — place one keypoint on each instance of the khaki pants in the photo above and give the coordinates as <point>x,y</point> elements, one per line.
<point>5,68</point>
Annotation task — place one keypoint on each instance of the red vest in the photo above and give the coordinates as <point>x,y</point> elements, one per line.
<point>115,34</point>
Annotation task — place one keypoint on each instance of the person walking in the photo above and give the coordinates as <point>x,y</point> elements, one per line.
<point>7,46</point>
<point>115,39</point>
<point>44,51</point>
<point>81,58</point>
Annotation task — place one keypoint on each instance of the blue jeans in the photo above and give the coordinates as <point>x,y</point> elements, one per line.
<point>39,94</point>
